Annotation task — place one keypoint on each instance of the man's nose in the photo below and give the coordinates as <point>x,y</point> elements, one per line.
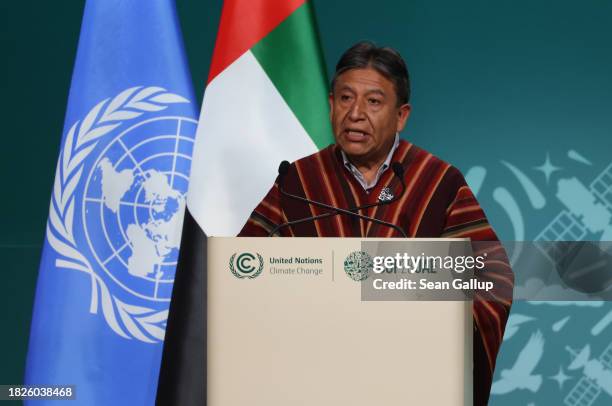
<point>356,110</point>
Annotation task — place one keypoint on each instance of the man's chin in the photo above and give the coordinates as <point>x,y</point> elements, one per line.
<point>355,154</point>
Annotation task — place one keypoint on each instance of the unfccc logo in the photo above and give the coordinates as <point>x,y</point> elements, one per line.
<point>246,265</point>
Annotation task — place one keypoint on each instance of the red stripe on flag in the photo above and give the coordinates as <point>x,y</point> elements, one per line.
<point>243,24</point>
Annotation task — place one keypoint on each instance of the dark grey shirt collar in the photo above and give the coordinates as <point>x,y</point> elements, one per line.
<point>385,165</point>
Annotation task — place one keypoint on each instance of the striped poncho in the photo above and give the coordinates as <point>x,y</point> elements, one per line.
<point>436,203</point>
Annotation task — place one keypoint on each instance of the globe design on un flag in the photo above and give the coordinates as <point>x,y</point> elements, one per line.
<point>134,204</point>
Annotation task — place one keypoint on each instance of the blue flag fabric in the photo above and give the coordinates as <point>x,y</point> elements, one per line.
<point>117,206</point>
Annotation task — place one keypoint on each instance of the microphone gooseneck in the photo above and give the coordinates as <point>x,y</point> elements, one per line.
<point>283,169</point>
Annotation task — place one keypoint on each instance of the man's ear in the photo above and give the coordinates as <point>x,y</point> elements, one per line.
<point>331,104</point>
<point>402,116</point>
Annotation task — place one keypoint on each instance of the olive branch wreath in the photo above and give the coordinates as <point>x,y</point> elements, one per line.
<point>81,139</point>
<point>237,275</point>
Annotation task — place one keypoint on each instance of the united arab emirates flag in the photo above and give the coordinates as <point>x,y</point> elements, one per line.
<point>265,102</point>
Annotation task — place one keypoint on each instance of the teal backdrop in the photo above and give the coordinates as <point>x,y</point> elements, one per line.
<point>516,94</point>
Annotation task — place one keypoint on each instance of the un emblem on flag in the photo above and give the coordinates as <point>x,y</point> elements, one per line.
<point>135,195</point>
<point>118,204</point>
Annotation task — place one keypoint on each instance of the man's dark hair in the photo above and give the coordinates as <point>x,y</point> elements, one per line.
<point>385,60</point>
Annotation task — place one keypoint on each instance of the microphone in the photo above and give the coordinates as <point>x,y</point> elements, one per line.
<point>398,170</point>
<point>283,169</point>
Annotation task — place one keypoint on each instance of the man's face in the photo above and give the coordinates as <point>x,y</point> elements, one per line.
<point>365,115</point>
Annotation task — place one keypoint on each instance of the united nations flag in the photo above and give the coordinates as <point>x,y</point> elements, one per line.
<point>116,211</point>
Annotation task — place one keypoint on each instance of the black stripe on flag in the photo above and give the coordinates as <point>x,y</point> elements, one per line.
<point>182,377</point>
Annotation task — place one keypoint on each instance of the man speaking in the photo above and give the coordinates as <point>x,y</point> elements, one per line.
<point>372,184</point>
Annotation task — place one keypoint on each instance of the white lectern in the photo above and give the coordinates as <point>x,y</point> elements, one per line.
<point>287,326</point>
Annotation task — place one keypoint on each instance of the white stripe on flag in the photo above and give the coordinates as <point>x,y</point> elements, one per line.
<point>246,129</point>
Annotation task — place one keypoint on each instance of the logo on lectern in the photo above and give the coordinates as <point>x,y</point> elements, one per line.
<point>358,265</point>
<point>246,265</point>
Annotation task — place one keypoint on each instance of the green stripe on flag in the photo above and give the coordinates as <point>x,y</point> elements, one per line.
<point>292,58</point>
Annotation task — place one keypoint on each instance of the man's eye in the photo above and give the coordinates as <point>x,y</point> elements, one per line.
<point>345,97</point>
<point>375,102</point>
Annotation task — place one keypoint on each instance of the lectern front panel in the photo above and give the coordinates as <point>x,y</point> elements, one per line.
<point>287,326</point>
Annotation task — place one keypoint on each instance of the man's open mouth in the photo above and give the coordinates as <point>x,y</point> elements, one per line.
<point>355,135</point>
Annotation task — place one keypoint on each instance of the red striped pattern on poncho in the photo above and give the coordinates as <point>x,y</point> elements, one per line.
<point>436,203</point>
